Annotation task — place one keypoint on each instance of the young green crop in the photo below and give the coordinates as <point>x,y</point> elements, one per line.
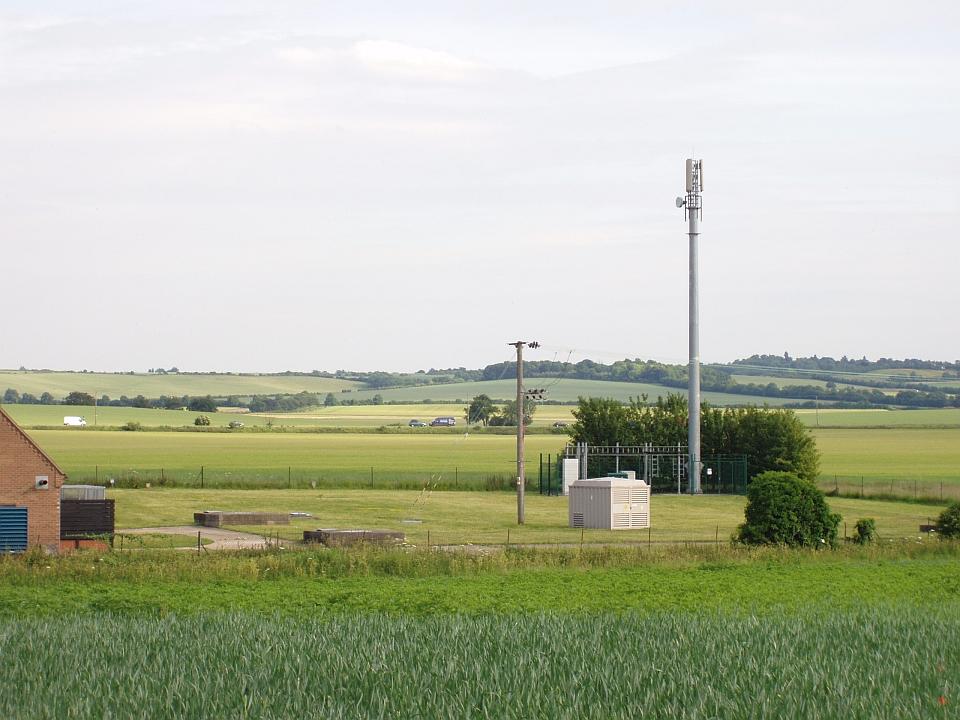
<point>896,663</point>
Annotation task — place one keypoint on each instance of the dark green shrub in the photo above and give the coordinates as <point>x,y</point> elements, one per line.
<point>782,509</point>
<point>202,420</point>
<point>133,426</point>
<point>948,524</point>
<point>865,531</point>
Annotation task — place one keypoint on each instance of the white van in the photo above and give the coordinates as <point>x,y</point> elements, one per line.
<point>74,421</point>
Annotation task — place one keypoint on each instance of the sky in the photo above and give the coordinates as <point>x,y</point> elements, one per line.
<point>263,186</point>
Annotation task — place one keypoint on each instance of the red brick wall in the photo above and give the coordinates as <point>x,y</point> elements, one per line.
<point>20,464</point>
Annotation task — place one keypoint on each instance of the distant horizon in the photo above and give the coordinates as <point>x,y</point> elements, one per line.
<point>187,371</point>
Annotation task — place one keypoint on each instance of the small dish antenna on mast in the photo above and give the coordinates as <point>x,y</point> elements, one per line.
<point>680,202</point>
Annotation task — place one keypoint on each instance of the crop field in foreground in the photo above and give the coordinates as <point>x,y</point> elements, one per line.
<point>484,517</point>
<point>883,664</point>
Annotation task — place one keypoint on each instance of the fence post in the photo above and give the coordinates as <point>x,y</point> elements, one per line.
<point>288,478</point>
<point>198,542</point>
<point>97,473</point>
<point>201,477</point>
<point>836,485</point>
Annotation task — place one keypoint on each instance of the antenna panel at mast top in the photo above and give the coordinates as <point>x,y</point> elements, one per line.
<point>694,175</point>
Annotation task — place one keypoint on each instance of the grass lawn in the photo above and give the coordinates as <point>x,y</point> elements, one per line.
<point>482,517</point>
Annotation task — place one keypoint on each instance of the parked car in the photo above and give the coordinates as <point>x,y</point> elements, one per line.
<point>443,422</point>
<point>416,423</point>
<point>559,424</point>
<point>234,424</point>
<point>74,421</point>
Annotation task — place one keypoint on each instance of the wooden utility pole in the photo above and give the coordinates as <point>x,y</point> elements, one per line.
<point>521,471</point>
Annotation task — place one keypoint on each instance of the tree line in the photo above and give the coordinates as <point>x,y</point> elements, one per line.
<point>717,379</point>
<point>771,439</point>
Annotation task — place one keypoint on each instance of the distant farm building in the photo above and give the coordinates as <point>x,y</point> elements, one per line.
<point>30,485</point>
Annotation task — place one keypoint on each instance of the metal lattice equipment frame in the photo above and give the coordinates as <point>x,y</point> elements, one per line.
<point>663,467</point>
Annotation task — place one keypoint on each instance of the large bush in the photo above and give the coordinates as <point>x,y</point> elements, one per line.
<point>782,509</point>
<point>948,524</point>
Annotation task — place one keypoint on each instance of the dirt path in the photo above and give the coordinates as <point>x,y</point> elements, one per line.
<point>222,539</point>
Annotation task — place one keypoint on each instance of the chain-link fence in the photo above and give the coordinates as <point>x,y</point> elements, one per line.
<point>544,474</point>
<point>666,473</point>
<point>212,477</point>
<point>894,488</point>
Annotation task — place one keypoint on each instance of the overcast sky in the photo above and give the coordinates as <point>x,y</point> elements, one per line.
<point>279,185</point>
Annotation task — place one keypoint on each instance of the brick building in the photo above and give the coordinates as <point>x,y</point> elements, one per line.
<point>29,480</point>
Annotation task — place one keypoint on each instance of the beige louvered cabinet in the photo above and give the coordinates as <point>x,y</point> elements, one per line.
<point>609,504</point>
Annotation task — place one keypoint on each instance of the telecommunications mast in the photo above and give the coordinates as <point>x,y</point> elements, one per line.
<point>692,209</point>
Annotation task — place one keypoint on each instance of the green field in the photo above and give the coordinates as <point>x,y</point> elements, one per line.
<point>483,517</point>
<point>52,415</point>
<point>894,453</point>
<point>552,631</point>
<point>562,391</point>
<point>336,416</point>
<point>866,665</point>
<point>878,418</point>
<point>59,384</point>
<point>233,459</point>
<point>372,416</point>
<point>854,633</point>
<point>239,458</point>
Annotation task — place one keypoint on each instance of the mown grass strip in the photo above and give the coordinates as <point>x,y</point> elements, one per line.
<point>313,587</point>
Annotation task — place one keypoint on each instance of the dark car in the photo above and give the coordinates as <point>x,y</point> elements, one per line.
<point>443,422</point>
<point>559,424</point>
<point>416,423</point>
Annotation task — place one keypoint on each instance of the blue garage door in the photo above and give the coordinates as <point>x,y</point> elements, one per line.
<point>13,529</point>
